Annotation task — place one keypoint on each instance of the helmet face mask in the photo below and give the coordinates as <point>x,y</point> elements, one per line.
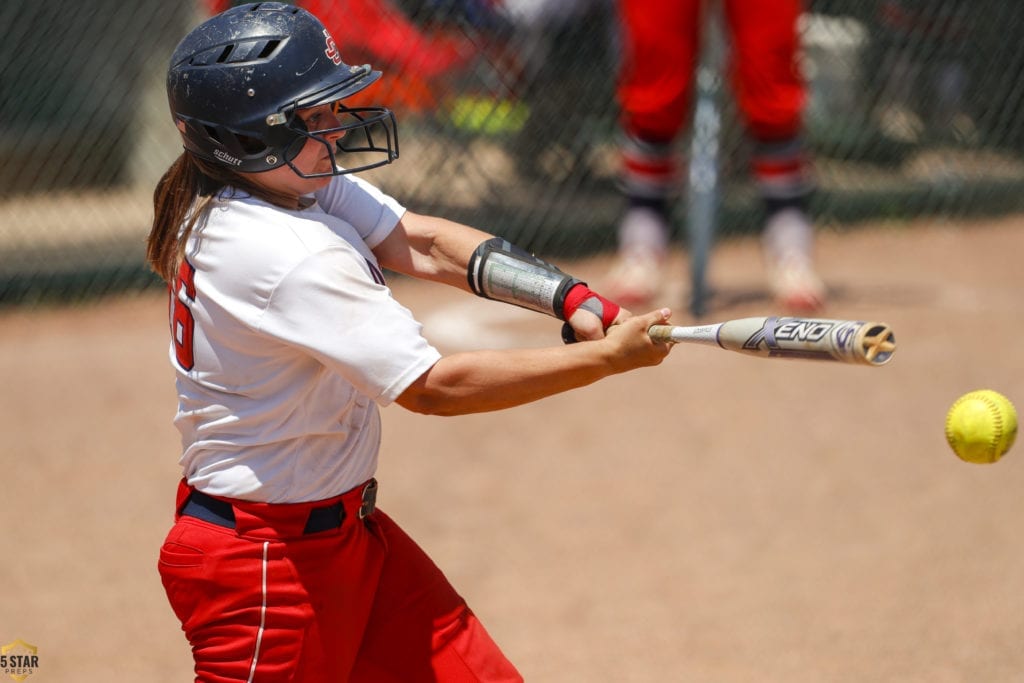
<point>236,83</point>
<point>367,134</point>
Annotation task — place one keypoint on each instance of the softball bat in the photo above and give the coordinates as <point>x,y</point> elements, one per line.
<point>845,341</point>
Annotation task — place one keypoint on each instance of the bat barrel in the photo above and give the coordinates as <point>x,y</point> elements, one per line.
<point>845,341</point>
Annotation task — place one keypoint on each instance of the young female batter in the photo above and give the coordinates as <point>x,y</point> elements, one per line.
<point>286,341</point>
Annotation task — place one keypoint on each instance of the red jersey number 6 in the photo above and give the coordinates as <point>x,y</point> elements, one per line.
<point>183,293</point>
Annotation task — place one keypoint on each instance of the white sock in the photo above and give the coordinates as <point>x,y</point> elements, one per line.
<point>643,230</point>
<point>788,234</point>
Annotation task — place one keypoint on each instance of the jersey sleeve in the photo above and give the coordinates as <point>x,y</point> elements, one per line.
<point>373,213</point>
<point>331,307</point>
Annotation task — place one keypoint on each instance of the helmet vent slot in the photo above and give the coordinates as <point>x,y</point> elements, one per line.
<point>268,49</point>
<point>235,53</point>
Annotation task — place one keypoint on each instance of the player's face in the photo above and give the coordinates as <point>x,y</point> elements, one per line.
<point>312,159</point>
<point>320,118</point>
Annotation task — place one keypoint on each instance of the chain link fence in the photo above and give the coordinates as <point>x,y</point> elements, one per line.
<point>507,118</point>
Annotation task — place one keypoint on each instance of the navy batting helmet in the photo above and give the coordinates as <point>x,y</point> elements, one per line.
<point>236,81</point>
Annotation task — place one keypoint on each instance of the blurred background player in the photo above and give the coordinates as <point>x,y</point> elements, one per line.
<point>661,41</point>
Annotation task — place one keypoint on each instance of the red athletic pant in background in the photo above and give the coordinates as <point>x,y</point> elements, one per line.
<point>263,602</point>
<point>661,44</point>
<point>660,53</point>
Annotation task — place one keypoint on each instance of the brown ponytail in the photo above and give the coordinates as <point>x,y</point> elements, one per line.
<point>174,197</point>
<point>183,194</point>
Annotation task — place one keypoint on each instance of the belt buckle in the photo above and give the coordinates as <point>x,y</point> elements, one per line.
<point>369,503</point>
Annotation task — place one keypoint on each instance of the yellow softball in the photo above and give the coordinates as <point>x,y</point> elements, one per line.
<point>981,426</point>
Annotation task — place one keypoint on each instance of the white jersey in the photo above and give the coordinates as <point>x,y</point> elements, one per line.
<point>296,341</point>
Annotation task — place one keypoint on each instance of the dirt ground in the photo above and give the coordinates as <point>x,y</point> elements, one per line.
<point>718,518</point>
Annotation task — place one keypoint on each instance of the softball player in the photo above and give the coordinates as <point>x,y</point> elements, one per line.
<point>661,42</point>
<point>286,341</point>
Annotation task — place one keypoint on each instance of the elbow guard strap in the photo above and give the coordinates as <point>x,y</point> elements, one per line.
<point>501,271</point>
<point>581,296</point>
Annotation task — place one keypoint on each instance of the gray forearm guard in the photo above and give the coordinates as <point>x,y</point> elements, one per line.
<point>502,271</point>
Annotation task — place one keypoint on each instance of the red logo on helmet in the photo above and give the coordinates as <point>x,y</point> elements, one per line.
<point>332,49</point>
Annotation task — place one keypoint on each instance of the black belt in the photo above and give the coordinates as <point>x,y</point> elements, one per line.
<point>215,511</point>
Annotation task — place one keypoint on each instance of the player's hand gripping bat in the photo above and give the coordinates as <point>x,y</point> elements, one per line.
<point>846,341</point>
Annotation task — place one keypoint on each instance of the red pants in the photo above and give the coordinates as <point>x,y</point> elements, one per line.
<point>661,44</point>
<point>362,602</point>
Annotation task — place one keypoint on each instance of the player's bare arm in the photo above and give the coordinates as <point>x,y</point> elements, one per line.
<point>483,381</point>
<point>430,248</point>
